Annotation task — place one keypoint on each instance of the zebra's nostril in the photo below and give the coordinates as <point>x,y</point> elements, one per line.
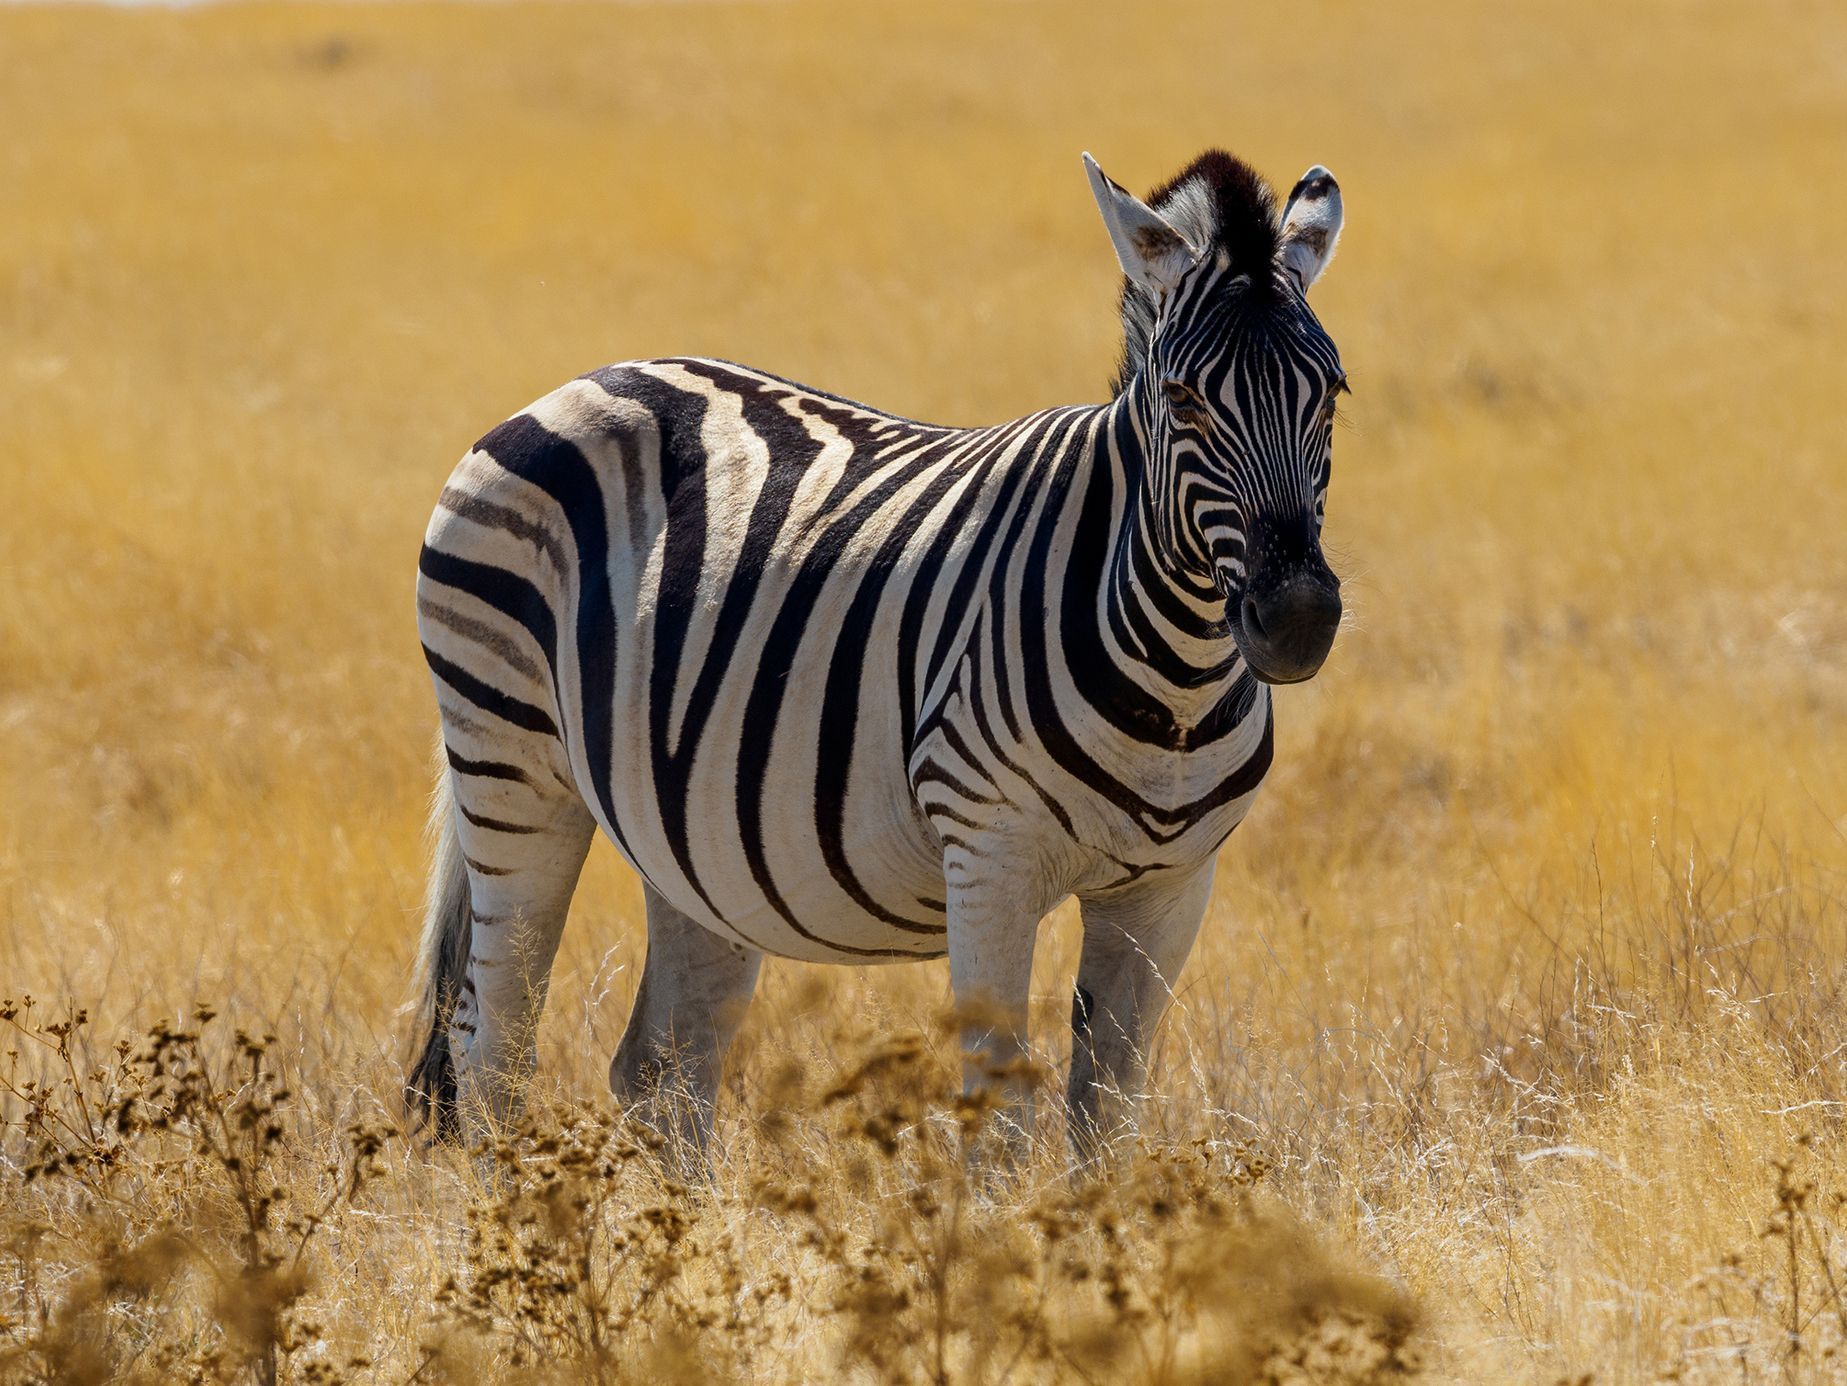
<point>1253,618</point>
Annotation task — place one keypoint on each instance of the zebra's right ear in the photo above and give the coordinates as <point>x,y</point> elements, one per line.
<point>1153,254</point>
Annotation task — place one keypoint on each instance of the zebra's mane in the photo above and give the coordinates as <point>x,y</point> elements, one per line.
<point>1217,202</point>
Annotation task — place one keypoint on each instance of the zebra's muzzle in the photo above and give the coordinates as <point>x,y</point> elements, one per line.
<point>1285,632</point>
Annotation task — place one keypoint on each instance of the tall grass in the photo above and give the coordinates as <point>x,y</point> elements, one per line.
<point>1513,1047</point>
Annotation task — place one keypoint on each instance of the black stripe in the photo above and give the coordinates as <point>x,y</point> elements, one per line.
<point>978,705</point>
<point>930,770</point>
<point>953,738</point>
<point>954,816</point>
<point>493,825</point>
<point>485,769</point>
<point>1244,780</point>
<point>480,511</point>
<point>511,595</point>
<point>532,452</point>
<point>491,700</point>
<point>489,637</point>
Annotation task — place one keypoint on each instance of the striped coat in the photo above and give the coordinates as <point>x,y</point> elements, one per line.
<point>846,687</point>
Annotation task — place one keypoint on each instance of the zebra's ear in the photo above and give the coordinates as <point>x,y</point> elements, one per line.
<point>1311,226</point>
<point>1153,254</point>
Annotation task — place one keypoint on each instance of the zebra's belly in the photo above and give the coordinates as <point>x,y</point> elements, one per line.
<point>816,925</point>
<point>775,869</point>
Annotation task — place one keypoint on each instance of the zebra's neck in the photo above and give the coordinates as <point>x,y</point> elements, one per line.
<point>1166,619</point>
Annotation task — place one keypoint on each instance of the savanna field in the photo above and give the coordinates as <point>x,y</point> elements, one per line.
<point>1515,1046</point>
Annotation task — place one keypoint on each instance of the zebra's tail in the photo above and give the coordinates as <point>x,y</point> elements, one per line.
<point>442,966</point>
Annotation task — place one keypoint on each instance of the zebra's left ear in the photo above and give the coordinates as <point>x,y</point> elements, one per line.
<point>1151,252</point>
<point>1311,226</point>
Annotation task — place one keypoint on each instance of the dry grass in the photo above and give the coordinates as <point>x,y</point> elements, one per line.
<point>1514,1047</point>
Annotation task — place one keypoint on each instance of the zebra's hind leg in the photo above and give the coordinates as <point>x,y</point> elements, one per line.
<point>1136,940</point>
<point>523,843</point>
<point>695,988</point>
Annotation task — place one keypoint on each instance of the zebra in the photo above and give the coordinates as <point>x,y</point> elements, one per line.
<point>849,688</point>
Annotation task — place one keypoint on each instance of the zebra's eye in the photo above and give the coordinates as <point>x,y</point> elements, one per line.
<point>1185,403</point>
<point>1329,404</point>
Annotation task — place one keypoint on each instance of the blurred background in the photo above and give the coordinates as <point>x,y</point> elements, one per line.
<point>1553,854</point>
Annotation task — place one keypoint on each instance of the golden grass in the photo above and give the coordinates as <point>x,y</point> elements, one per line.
<point>1526,970</point>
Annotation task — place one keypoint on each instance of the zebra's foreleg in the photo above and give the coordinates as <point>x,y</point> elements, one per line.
<point>695,988</point>
<point>1136,940</point>
<point>995,904</point>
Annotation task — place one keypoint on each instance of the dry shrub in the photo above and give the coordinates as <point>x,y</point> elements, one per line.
<point>173,1240</point>
<point>159,1174</point>
<point>587,1260</point>
<point>1164,1265</point>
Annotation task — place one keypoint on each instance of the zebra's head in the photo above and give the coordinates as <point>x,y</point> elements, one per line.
<point>1236,384</point>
